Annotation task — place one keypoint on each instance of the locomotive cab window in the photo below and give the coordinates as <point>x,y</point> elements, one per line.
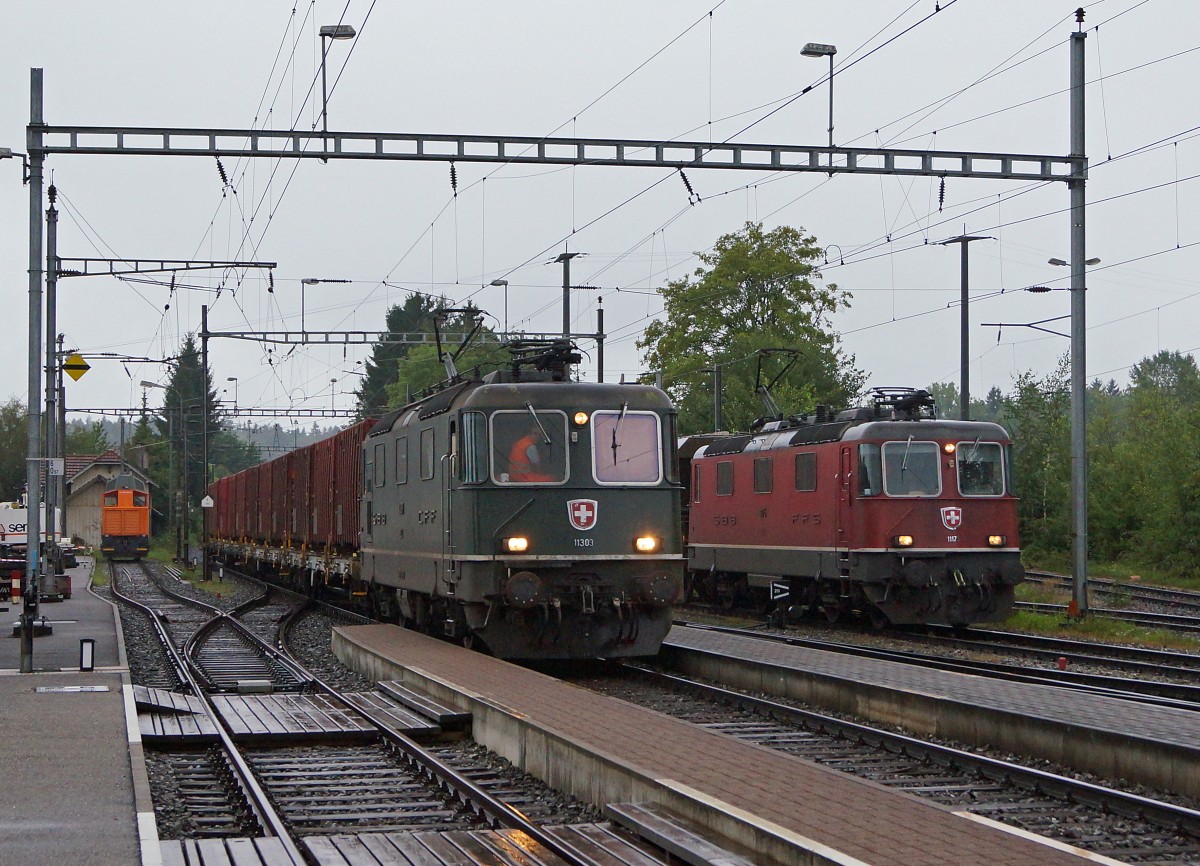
<point>140,500</point>
<point>980,468</point>
<point>870,470</point>
<point>474,447</point>
<point>110,498</point>
<point>912,468</point>
<point>626,447</point>
<point>529,447</point>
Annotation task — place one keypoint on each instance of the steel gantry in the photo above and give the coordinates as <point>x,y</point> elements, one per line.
<point>43,140</point>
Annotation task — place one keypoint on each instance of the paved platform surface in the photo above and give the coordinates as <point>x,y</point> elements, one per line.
<point>1079,709</point>
<point>67,763</point>
<point>852,819</point>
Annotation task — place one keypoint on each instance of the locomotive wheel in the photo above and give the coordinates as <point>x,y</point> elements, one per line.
<point>833,613</point>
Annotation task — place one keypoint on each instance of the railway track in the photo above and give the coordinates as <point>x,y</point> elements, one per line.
<point>1179,695</point>
<point>1124,826</point>
<point>295,792</point>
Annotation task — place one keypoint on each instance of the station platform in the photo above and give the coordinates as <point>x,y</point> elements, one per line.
<point>605,750</point>
<point>1111,737</point>
<point>75,782</point>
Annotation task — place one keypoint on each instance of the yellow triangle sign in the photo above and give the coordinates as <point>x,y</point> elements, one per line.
<point>76,366</point>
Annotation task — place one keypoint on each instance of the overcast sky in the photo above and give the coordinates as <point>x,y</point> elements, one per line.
<point>979,75</point>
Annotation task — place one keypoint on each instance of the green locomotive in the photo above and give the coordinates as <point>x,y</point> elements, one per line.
<point>536,515</point>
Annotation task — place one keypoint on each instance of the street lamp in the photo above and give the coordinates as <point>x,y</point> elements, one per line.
<point>332,394</point>
<point>820,49</point>
<point>329,31</point>
<point>311,281</point>
<point>171,460</point>
<point>233,379</point>
<point>505,284</point>
<point>1062,263</point>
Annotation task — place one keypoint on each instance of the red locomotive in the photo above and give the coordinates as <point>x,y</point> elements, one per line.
<point>886,510</point>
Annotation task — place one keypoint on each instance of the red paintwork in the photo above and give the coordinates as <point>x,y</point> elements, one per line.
<point>308,496</point>
<point>833,517</point>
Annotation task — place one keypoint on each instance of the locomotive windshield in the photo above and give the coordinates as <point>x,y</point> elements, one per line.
<point>626,447</point>
<point>529,447</point>
<point>980,468</point>
<point>911,468</point>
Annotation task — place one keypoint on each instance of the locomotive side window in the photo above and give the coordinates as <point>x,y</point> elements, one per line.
<point>911,468</point>
<point>870,470</point>
<point>980,468</point>
<point>380,464</point>
<point>529,447</point>
<point>764,471</point>
<point>110,498</point>
<point>626,447</point>
<point>725,478</point>
<point>672,451</point>
<point>427,459</point>
<point>401,459</point>
<point>474,434</point>
<point>139,500</point>
<point>806,471</point>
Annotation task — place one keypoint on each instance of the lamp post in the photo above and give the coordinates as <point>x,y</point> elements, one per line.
<point>311,281</point>
<point>329,31</point>
<point>171,461</point>
<point>234,379</point>
<point>505,284</point>
<point>332,394</point>
<point>820,49</point>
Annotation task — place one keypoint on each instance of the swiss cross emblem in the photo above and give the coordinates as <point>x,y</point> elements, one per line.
<point>582,513</point>
<point>952,517</point>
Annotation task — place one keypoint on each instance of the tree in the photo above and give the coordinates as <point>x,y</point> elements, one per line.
<point>86,439</point>
<point>14,445</point>
<point>1040,422</point>
<point>1168,372</point>
<point>755,290</point>
<point>188,398</point>
<point>421,368</point>
<point>381,369</point>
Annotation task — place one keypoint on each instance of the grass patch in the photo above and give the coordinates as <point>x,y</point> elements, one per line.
<point>101,574</point>
<point>1097,628</point>
<point>1123,571</point>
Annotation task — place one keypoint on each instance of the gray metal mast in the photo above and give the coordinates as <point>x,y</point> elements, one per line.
<point>33,498</point>
<point>1079,505</point>
<point>50,554</point>
<point>565,260</point>
<point>964,345</point>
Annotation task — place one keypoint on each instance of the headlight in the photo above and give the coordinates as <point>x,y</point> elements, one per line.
<point>516,544</point>
<point>997,540</point>
<point>645,544</point>
<point>580,418</point>
<point>903,541</point>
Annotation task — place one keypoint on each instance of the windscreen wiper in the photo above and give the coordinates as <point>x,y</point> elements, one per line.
<point>617,427</point>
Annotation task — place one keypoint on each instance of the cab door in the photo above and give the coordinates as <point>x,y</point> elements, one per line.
<point>845,515</point>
